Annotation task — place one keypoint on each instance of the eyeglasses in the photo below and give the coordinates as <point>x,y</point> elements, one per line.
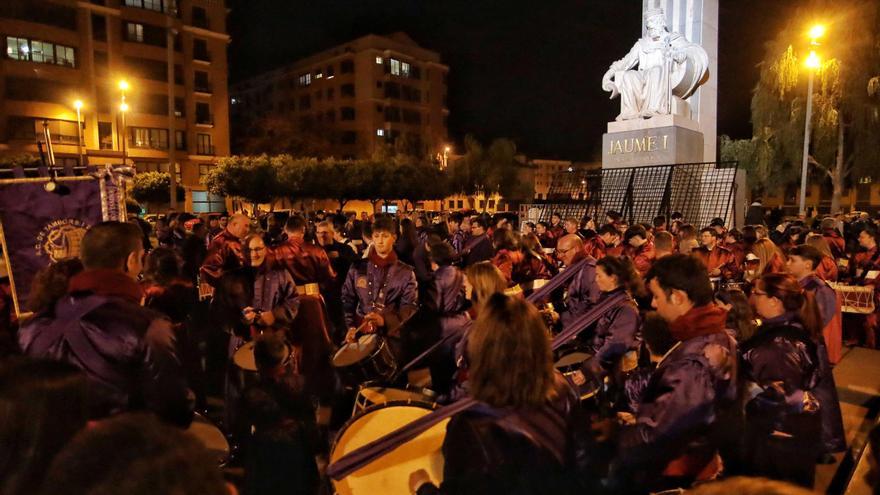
<point>563,251</point>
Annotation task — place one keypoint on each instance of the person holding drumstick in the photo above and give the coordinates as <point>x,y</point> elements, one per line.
<point>380,292</point>
<point>528,434</point>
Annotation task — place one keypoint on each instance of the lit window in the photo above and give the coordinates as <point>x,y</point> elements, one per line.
<point>395,66</point>
<point>319,75</point>
<point>234,101</point>
<point>134,32</point>
<point>42,52</point>
<point>379,60</point>
<point>64,56</point>
<point>404,69</point>
<point>380,132</point>
<point>17,48</point>
<point>305,79</point>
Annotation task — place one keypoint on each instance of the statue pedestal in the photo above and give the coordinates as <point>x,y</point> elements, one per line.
<point>660,140</point>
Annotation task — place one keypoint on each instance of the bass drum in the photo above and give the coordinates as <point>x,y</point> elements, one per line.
<point>374,393</point>
<point>389,473</point>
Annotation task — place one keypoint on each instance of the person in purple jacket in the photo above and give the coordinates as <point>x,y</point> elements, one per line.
<point>126,351</point>
<point>379,290</point>
<point>448,300</point>
<point>671,444</point>
<point>617,331</point>
<point>781,368</point>
<point>802,263</point>
<point>582,292</point>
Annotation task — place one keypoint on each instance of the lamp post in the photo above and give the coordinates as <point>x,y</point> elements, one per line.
<point>123,107</point>
<point>445,163</point>
<point>78,104</point>
<point>813,63</point>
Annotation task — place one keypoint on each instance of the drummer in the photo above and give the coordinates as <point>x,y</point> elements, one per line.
<point>249,301</point>
<point>615,343</point>
<point>582,292</point>
<point>865,270</point>
<point>528,434</point>
<point>283,441</point>
<point>380,292</point>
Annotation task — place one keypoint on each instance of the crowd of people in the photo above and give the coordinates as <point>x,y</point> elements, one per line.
<point>604,357</point>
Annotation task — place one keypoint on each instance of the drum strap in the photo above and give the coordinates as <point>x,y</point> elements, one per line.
<point>366,454</point>
<point>591,316</point>
<point>557,281</point>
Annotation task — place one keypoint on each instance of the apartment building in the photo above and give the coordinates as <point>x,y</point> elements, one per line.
<point>357,96</point>
<point>146,80</point>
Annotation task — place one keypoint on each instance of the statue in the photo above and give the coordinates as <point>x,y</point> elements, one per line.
<point>669,66</point>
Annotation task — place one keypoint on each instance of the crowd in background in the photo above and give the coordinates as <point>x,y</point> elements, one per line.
<point>711,362</point>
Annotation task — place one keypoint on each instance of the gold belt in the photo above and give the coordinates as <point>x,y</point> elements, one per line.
<point>308,289</point>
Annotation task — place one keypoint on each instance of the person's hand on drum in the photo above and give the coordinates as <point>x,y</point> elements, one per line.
<point>417,479</point>
<point>267,318</point>
<point>351,336</point>
<point>375,319</point>
<point>715,273</point>
<point>248,314</point>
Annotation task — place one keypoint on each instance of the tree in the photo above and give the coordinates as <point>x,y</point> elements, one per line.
<point>251,178</point>
<point>846,117</point>
<point>489,171</point>
<point>154,188</point>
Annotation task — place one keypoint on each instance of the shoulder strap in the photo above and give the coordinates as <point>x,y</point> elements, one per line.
<point>81,346</point>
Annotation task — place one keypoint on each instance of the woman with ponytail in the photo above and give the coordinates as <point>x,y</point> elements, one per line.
<point>780,368</point>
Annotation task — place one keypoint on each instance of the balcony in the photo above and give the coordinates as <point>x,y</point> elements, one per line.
<point>202,87</point>
<point>201,55</point>
<point>205,119</point>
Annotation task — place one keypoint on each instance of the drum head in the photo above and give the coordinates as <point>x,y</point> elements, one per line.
<point>389,473</point>
<point>244,357</point>
<point>355,351</point>
<point>210,436</point>
<point>572,359</point>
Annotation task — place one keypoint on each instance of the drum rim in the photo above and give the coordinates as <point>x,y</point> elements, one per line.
<point>381,343</point>
<point>371,409</point>
<point>408,387</point>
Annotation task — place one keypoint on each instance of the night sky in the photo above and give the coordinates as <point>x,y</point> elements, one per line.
<point>526,70</point>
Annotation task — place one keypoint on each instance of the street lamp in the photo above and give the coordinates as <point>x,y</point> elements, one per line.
<point>812,63</point>
<point>123,107</point>
<point>446,150</point>
<point>78,104</point>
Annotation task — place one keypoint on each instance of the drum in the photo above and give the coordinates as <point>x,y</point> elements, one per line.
<point>570,363</point>
<point>854,298</point>
<point>374,393</point>
<point>389,473</point>
<point>244,357</point>
<point>211,437</point>
<point>368,359</point>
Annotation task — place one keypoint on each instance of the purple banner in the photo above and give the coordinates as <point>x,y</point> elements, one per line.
<point>38,227</point>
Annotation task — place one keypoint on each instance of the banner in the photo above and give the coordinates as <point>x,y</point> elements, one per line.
<point>38,227</point>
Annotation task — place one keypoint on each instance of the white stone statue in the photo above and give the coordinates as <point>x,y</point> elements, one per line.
<point>669,68</point>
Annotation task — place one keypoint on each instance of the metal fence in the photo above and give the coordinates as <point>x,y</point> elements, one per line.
<point>700,191</point>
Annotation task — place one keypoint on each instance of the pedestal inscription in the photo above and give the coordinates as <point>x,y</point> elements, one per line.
<point>652,146</point>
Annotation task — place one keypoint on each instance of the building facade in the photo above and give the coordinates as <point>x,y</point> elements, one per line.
<point>358,96</point>
<point>150,77</point>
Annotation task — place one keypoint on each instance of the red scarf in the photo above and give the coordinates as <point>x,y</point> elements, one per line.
<point>106,282</point>
<point>699,321</point>
<point>380,261</point>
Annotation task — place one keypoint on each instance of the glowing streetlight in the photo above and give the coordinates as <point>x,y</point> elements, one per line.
<point>123,85</point>
<point>78,104</point>
<point>813,63</point>
<point>123,107</point>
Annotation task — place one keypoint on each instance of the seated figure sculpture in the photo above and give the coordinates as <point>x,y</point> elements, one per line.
<point>660,66</point>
